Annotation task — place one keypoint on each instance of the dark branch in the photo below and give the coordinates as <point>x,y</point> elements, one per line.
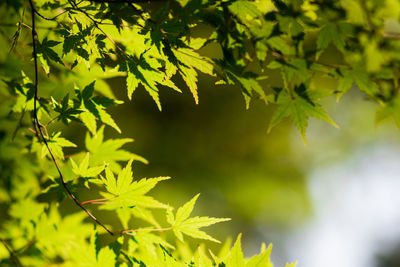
<point>39,130</point>
<point>50,19</point>
<point>96,24</point>
<point>13,255</point>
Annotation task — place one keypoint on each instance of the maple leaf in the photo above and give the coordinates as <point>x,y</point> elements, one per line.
<point>94,108</point>
<point>84,170</point>
<point>109,151</point>
<point>299,106</point>
<point>182,224</point>
<point>129,197</point>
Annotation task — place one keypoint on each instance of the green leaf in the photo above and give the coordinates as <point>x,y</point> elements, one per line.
<point>243,8</point>
<point>190,60</point>
<point>249,85</point>
<point>189,75</point>
<point>361,78</point>
<point>106,257</point>
<point>262,259</point>
<point>45,53</point>
<point>109,151</point>
<point>129,190</point>
<point>279,44</point>
<point>129,197</point>
<point>83,170</point>
<point>145,71</point>
<point>27,210</point>
<point>182,224</point>
<point>184,212</point>
<point>183,2</point>
<point>144,214</point>
<point>93,254</point>
<point>201,259</point>
<point>132,83</point>
<point>94,108</point>
<point>389,110</point>
<point>55,233</point>
<point>24,92</point>
<point>150,238</point>
<point>67,112</point>
<point>328,34</point>
<point>344,85</point>
<point>299,107</point>
<point>235,257</point>
<point>56,144</point>
<point>89,120</point>
<point>246,11</point>
<point>44,63</point>
<point>132,191</point>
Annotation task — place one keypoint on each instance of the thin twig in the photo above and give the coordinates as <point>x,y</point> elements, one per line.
<point>96,24</point>
<point>71,156</point>
<point>27,245</point>
<point>13,255</point>
<point>19,125</point>
<point>97,201</point>
<point>38,126</point>
<point>50,19</point>
<point>391,35</point>
<point>364,7</point>
<point>15,38</point>
<point>51,120</point>
<point>288,57</point>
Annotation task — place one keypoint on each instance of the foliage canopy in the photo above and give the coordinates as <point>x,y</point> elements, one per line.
<point>77,46</point>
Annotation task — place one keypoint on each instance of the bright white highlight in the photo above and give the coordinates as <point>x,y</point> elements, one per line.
<point>357,212</point>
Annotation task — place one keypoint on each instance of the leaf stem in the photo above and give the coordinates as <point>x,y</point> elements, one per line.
<point>96,24</point>
<point>97,201</point>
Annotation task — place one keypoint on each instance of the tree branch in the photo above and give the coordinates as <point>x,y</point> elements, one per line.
<point>38,126</point>
<point>50,19</point>
<point>96,24</point>
<point>13,255</point>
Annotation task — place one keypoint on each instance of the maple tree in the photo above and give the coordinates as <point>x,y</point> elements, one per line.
<point>61,54</point>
